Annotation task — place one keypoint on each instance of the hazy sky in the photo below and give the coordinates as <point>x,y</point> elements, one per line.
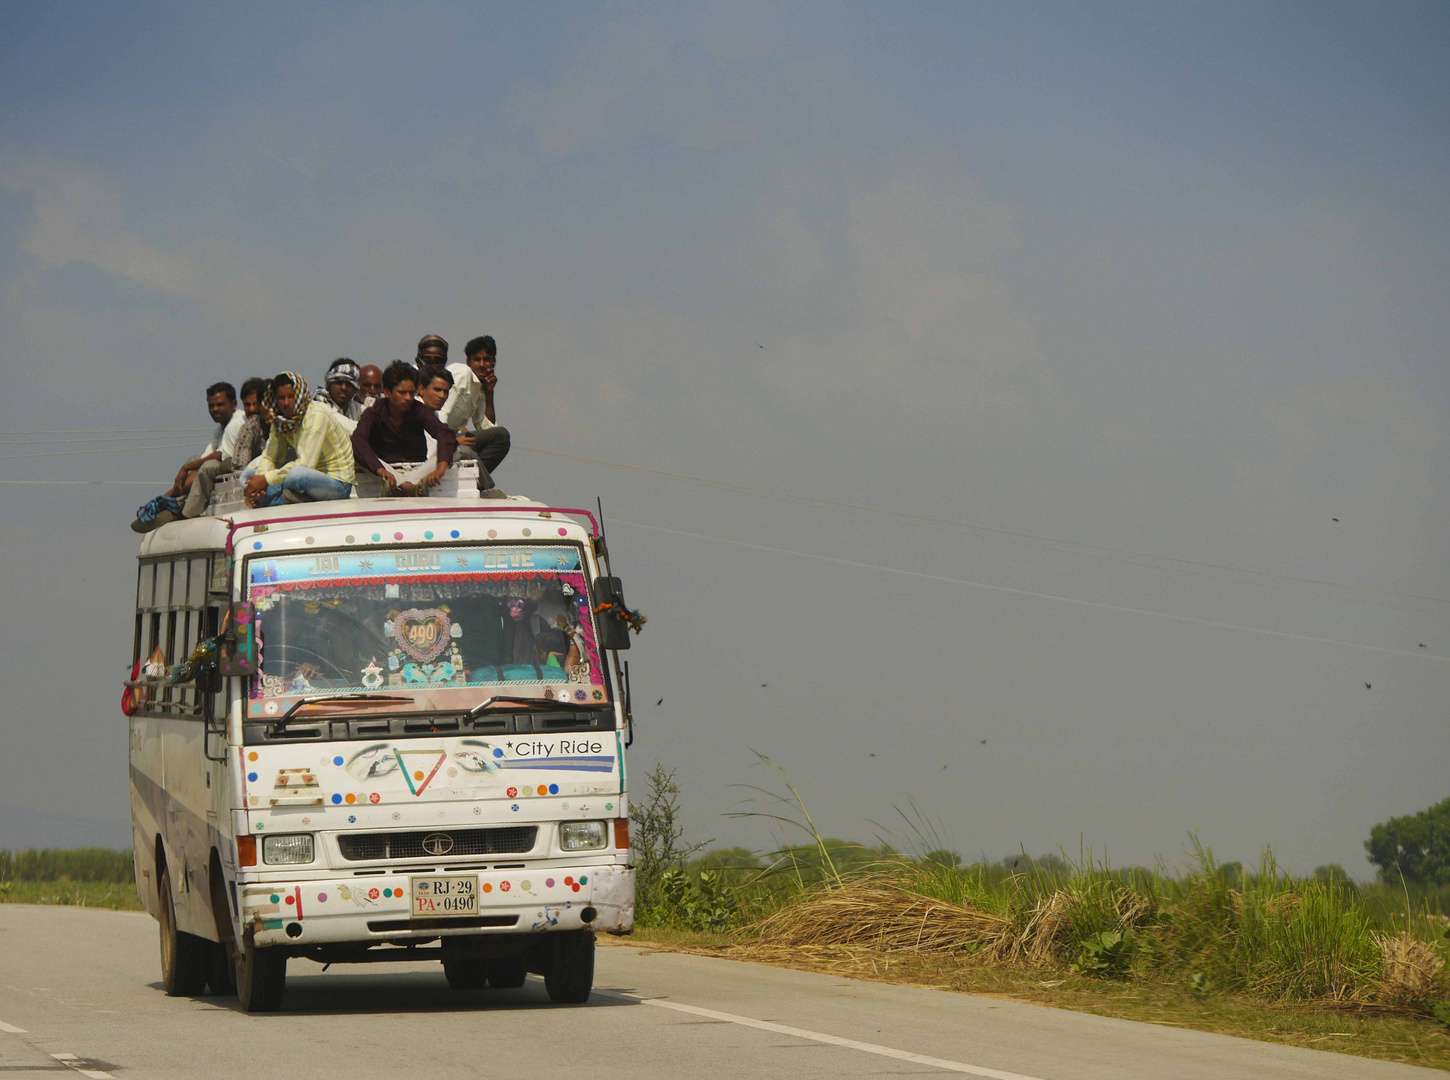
<point>1098,314</point>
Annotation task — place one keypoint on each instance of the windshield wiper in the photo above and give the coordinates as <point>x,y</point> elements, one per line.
<point>281,722</point>
<point>534,703</point>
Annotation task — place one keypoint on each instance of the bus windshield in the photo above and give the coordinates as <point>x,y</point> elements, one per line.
<point>434,623</point>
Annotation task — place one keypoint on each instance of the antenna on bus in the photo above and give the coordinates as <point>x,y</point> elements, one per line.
<point>602,547</point>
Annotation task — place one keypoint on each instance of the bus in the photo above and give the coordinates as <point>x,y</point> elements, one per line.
<point>368,731</point>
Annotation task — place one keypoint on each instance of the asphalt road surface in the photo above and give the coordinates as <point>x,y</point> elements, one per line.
<point>80,993</point>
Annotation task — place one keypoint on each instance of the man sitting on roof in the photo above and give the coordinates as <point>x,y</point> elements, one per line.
<point>340,394</point>
<point>196,478</point>
<point>323,469</point>
<point>471,403</point>
<point>394,429</point>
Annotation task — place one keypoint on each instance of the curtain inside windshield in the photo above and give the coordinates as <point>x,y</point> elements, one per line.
<point>339,622</point>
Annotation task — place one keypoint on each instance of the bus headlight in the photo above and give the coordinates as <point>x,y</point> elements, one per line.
<point>581,835</point>
<point>279,850</point>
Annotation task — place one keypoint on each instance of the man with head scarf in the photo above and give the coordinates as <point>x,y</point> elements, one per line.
<point>323,468</point>
<point>339,392</point>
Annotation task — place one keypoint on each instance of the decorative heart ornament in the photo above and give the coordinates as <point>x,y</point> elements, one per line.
<point>422,634</point>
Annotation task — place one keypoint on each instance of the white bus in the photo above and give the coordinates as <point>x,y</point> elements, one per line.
<point>379,730</point>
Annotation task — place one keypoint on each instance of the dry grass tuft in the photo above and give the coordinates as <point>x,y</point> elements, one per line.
<point>877,914</point>
<point>1411,969</point>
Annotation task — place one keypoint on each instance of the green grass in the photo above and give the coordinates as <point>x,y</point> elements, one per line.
<point>95,894</point>
<point>76,877</point>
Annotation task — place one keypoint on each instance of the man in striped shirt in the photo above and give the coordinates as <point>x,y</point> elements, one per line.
<point>323,468</point>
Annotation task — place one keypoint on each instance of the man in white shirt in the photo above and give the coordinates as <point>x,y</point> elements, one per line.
<point>470,402</point>
<point>195,480</point>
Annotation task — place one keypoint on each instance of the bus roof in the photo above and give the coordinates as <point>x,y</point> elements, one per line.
<point>211,533</point>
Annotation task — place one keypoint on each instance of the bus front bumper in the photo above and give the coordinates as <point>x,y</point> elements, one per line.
<point>377,909</point>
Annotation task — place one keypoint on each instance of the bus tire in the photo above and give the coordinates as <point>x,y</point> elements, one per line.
<point>261,978</point>
<point>570,976</point>
<point>507,972</point>
<point>185,958</point>
<point>464,973</point>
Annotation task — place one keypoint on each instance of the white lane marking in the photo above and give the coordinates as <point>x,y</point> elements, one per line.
<point>831,1040</point>
<point>71,1060</point>
<point>11,1028</point>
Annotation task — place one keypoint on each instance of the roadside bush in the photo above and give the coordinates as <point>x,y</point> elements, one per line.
<point>75,864</point>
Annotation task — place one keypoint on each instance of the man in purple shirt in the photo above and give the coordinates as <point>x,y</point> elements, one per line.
<point>391,430</point>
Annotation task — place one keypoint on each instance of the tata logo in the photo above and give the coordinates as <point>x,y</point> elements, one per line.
<point>437,843</point>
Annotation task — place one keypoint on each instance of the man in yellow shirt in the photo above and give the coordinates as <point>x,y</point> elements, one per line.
<point>323,468</point>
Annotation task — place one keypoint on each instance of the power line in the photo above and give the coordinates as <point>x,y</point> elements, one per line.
<point>75,453</point>
<point>113,431</point>
<point>1074,546</point>
<point>1028,592</point>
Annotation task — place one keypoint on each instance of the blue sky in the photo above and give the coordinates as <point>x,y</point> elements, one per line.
<point>1166,279</point>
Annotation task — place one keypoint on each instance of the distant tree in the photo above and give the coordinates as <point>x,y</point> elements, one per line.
<point>1416,846</point>
<point>948,860</point>
<point>1232,872</point>
<point>732,857</point>
<point>1334,874</point>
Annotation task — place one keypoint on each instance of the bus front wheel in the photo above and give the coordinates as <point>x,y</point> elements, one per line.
<point>261,978</point>
<point>570,975</point>
<point>185,958</point>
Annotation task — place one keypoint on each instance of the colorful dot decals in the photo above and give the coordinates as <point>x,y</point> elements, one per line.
<point>252,756</point>
<point>337,760</point>
<point>497,752</point>
<point>352,819</point>
<point>493,534</point>
<point>372,894</point>
<point>526,885</point>
<point>503,886</point>
<point>528,532</point>
<point>347,539</point>
<point>377,537</point>
<point>548,883</point>
<point>418,775</point>
<point>543,790</point>
<point>336,800</point>
<point>289,900</point>
<point>397,536</point>
<point>260,826</point>
<point>487,887</point>
<point>428,534</point>
<point>584,880</point>
<point>251,778</point>
<point>388,893</point>
<point>553,789</point>
<point>512,793</point>
<point>349,799</point>
<point>322,898</point>
<point>563,532</point>
<point>276,899</point>
<point>454,534</point>
<point>515,806</point>
<point>256,545</point>
<point>308,541</point>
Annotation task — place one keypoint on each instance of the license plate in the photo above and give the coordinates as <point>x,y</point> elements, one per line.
<point>444,897</point>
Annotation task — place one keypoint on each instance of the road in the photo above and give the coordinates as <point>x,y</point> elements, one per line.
<point>80,993</point>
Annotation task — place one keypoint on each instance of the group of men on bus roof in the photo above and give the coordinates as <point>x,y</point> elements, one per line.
<point>286,447</point>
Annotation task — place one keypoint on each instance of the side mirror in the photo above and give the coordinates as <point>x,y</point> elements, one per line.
<point>239,642</point>
<point>608,608</point>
